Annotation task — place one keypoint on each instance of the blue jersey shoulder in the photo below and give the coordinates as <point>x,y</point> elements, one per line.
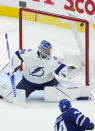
<point>74,112</point>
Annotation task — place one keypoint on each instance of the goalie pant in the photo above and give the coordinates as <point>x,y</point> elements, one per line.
<point>73,120</point>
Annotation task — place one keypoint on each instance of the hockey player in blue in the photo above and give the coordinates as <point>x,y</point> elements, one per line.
<point>71,119</point>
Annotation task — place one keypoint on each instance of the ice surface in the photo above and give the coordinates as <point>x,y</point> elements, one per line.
<point>38,115</point>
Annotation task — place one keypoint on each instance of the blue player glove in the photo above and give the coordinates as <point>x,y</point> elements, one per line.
<point>90,126</point>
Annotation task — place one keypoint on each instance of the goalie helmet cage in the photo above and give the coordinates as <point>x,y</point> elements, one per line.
<point>62,17</point>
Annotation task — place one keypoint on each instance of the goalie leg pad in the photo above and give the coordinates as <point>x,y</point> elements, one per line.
<point>6,93</point>
<point>80,90</point>
<point>20,97</point>
<point>52,94</point>
<point>71,93</point>
<point>85,91</point>
<point>55,94</point>
<point>4,90</point>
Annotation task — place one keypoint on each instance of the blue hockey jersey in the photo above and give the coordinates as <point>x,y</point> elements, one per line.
<point>71,120</point>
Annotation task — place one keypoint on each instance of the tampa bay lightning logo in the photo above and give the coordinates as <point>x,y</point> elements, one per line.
<point>36,71</point>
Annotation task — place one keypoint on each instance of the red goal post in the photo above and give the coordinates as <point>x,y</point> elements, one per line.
<point>21,10</point>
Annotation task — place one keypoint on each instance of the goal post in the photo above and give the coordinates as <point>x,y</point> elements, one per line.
<point>34,18</point>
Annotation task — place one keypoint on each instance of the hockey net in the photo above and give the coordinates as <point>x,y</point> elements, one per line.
<point>69,36</point>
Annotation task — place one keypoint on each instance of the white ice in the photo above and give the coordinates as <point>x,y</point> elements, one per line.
<point>37,115</point>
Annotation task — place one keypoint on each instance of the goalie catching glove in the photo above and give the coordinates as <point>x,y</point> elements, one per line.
<point>69,72</point>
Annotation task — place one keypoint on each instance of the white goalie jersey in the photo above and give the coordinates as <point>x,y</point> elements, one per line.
<point>35,69</point>
<point>39,71</point>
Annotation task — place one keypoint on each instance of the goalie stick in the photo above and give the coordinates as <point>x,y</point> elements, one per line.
<point>11,77</point>
<point>64,93</point>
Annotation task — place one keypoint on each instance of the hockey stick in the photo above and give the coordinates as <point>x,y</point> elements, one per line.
<point>11,77</point>
<point>4,67</point>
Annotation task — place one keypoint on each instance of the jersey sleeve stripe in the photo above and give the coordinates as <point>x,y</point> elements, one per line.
<point>59,68</point>
<point>77,120</point>
<point>82,121</point>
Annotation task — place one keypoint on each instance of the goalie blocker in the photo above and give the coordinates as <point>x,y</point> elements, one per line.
<point>67,91</point>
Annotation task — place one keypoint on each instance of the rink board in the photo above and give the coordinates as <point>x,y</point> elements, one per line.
<point>14,12</point>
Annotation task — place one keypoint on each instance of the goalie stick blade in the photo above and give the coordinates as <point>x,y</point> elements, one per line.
<point>17,104</point>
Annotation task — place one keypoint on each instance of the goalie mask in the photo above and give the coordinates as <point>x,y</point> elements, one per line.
<point>45,49</point>
<point>64,105</point>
